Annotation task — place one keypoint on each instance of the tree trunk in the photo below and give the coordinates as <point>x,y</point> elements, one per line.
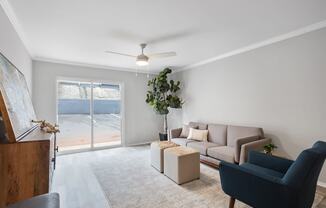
<point>165,124</point>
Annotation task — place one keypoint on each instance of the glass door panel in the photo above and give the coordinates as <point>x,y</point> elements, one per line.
<point>74,115</point>
<point>106,114</point>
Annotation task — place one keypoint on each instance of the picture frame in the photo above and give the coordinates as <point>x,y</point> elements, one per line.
<point>17,111</point>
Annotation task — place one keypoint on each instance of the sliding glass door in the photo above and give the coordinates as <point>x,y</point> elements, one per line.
<point>74,117</point>
<point>106,114</point>
<point>89,115</point>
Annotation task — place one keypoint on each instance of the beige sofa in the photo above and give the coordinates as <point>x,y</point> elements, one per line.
<point>225,142</point>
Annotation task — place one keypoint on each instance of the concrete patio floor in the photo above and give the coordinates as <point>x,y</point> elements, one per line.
<point>75,131</point>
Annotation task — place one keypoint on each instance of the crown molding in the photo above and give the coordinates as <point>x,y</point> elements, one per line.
<point>17,27</point>
<point>14,21</point>
<point>96,66</point>
<point>295,33</point>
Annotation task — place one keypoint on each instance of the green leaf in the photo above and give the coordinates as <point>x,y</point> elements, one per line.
<point>162,93</point>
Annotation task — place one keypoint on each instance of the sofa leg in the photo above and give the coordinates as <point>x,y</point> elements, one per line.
<point>231,202</point>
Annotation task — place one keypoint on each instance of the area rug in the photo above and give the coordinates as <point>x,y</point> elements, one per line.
<point>128,180</point>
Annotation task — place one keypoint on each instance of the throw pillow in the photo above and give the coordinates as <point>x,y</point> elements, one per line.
<point>198,135</point>
<point>185,130</point>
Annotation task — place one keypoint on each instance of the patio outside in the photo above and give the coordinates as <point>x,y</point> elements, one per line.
<point>76,131</point>
<point>74,116</point>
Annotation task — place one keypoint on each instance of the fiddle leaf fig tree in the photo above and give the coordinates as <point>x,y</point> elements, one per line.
<point>162,94</point>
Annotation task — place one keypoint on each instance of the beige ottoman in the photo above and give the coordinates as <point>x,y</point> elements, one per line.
<point>181,164</point>
<point>157,151</point>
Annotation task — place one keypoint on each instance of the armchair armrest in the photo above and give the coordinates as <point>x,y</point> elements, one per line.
<point>255,145</point>
<point>253,188</point>
<point>269,161</point>
<point>238,144</point>
<point>175,133</point>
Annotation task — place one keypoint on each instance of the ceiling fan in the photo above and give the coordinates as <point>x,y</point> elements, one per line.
<point>142,59</point>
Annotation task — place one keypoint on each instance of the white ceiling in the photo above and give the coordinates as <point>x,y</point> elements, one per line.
<point>80,31</point>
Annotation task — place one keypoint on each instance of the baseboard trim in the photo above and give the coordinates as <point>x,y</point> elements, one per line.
<point>67,152</point>
<point>322,184</point>
<point>139,144</point>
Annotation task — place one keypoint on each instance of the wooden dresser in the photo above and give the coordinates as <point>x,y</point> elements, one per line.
<point>26,167</point>
<point>26,152</point>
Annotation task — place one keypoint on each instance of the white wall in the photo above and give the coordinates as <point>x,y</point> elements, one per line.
<point>141,123</point>
<point>13,49</point>
<point>280,87</point>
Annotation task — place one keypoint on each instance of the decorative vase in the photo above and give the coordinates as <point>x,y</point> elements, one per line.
<point>268,152</point>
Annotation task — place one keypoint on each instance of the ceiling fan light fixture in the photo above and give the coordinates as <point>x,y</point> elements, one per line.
<point>142,60</point>
<point>142,63</point>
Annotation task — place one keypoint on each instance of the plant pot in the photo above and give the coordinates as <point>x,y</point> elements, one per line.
<point>268,152</point>
<point>163,136</point>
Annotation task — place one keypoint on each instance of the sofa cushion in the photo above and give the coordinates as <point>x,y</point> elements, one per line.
<point>202,146</point>
<point>217,133</point>
<point>182,141</point>
<point>185,130</point>
<point>201,126</point>
<point>224,153</point>
<point>236,132</point>
<point>264,171</point>
<point>198,135</point>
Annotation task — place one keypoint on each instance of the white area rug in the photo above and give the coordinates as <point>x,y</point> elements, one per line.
<point>128,180</point>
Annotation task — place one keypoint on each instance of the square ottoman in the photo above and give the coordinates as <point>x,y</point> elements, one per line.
<point>181,164</point>
<point>157,151</point>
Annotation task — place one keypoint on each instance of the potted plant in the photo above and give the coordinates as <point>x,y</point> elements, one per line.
<point>162,96</point>
<point>269,148</point>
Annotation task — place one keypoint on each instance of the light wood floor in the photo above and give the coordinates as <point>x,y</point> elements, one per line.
<point>78,187</point>
<point>75,182</point>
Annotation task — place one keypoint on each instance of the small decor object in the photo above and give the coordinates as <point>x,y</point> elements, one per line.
<point>51,129</point>
<point>163,95</point>
<point>47,127</point>
<point>269,148</point>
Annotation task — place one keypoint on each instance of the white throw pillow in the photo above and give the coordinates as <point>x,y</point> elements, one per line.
<point>199,135</point>
<point>185,130</point>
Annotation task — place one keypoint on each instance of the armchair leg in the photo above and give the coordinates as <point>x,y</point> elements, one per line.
<point>231,202</point>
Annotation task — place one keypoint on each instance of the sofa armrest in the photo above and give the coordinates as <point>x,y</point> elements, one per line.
<point>238,144</point>
<point>268,161</point>
<point>248,186</point>
<point>255,145</point>
<point>175,133</point>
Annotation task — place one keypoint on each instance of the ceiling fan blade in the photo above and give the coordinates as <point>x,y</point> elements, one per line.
<point>122,54</point>
<point>162,55</point>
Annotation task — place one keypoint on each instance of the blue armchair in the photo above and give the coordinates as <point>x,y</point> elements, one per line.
<point>268,182</point>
